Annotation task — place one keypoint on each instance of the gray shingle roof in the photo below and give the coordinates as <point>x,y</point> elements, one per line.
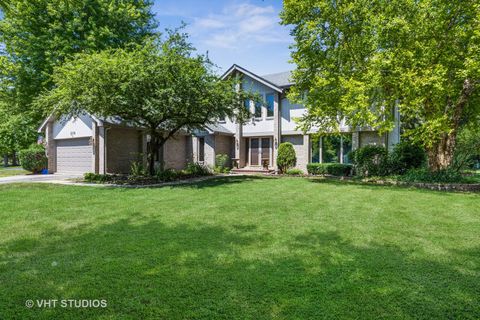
<point>282,79</point>
<point>218,128</point>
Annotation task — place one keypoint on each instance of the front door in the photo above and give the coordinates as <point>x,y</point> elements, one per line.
<point>260,151</point>
<point>254,151</point>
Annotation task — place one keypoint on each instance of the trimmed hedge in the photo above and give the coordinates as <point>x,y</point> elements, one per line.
<point>334,169</point>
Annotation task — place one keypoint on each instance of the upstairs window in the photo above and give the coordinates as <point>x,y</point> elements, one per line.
<point>246,104</point>
<point>258,109</point>
<point>270,100</point>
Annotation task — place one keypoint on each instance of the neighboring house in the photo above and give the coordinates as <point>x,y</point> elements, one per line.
<point>88,144</point>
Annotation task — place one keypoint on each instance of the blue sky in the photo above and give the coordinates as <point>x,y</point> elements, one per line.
<point>245,32</point>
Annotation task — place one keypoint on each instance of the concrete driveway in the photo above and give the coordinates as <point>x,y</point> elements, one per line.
<point>39,178</point>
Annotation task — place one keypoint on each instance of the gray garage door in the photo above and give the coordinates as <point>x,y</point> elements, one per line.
<point>74,156</point>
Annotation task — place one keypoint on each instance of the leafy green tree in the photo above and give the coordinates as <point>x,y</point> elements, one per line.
<point>358,60</point>
<point>37,35</point>
<point>160,86</point>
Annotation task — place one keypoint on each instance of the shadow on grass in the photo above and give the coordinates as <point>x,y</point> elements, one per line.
<point>149,270</point>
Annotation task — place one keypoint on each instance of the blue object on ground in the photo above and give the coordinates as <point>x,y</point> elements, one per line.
<point>44,171</point>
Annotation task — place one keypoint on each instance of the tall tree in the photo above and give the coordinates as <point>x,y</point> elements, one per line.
<point>160,86</point>
<point>359,59</point>
<point>37,35</point>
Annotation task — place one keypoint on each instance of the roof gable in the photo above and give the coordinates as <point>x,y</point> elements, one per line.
<point>252,75</point>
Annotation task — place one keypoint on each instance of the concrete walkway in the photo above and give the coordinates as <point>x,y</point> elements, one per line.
<point>39,178</point>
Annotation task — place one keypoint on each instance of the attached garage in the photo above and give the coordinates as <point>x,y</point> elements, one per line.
<point>74,155</point>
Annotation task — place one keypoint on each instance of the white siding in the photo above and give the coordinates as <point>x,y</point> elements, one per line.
<point>289,113</point>
<point>67,128</point>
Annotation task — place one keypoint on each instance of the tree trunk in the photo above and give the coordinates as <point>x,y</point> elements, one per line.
<point>152,150</point>
<point>5,160</point>
<point>155,147</point>
<point>14,159</point>
<point>440,155</point>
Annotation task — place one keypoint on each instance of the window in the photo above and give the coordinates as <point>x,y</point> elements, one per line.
<point>270,99</point>
<point>315,149</point>
<point>347,147</point>
<point>258,109</point>
<point>331,148</point>
<point>221,118</point>
<point>201,149</point>
<point>246,103</point>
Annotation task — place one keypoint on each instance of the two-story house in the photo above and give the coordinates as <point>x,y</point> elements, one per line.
<point>89,144</point>
<point>253,145</point>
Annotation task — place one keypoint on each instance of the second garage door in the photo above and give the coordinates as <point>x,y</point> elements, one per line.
<point>74,156</point>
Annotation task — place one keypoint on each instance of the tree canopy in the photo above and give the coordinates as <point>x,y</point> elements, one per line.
<point>38,35</point>
<point>161,86</point>
<point>357,60</point>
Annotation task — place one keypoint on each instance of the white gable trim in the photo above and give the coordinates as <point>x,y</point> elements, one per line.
<point>251,75</point>
<point>51,117</point>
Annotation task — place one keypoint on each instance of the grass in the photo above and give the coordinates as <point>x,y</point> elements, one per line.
<point>11,171</point>
<point>241,248</point>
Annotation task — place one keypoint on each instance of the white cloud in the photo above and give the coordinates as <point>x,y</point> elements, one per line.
<point>240,26</point>
<point>256,24</point>
<point>209,23</point>
<point>246,9</point>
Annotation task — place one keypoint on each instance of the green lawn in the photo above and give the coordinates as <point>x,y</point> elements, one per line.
<point>241,248</point>
<point>11,171</point>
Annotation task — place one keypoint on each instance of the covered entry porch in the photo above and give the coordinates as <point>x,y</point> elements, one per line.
<point>257,155</point>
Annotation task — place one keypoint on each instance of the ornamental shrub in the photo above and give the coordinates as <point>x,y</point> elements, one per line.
<point>98,178</point>
<point>427,176</point>
<point>197,170</point>
<point>334,169</point>
<point>370,160</point>
<point>33,159</point>
<point>406,156</point>
<point>286,157</point>
<point>294,172</point>
<point>222,163</point>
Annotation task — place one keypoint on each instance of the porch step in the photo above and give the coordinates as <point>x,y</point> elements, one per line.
<point>252,171</point>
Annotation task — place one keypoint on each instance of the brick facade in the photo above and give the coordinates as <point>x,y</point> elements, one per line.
<point>123,148</point>
<point>301,145</point>
<point>176,152</point>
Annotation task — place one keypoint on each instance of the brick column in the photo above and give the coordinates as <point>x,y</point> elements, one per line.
<point>101,150</point>
<point>277,127</point>
<point>306,152</point>
<point>240,145</point>
<point>51,148</point>
<point>95,161</point>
